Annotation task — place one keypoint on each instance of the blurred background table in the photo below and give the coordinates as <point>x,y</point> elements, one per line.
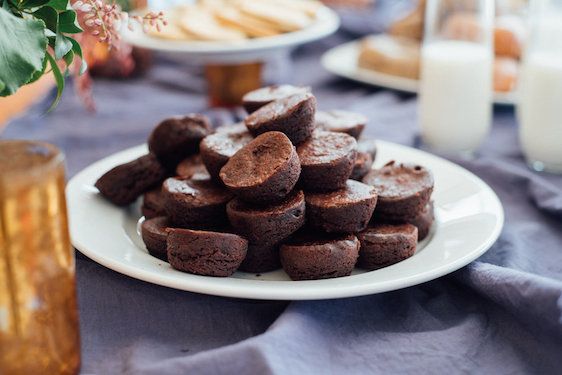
<point>500,314</point>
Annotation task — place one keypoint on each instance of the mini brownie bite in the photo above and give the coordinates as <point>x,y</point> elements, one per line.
<point>293,116</point>
<point>404,189</point>
<point>195,203</point>
<point>191,166</point>
<point>386,244</point>
<point>205,253</point>
<point>327,160</point>
<point>153,203</point>
<point>263,171</point>
<point>154,233</point>
<point>368,145</point>
<point>269,224</point>
<point>347,210</point>
<point>311,256</point>
<point>363,165</point>
<point>423,221</point>
<point>176,138</point>
<point>256,99</point>
<point>217,148</point>
<point>261,258</point>
<point>123,184</point>
<point>342,122</point>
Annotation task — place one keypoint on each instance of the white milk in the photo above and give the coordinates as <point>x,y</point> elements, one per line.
<point>540,109</point>
<point>455,99</point>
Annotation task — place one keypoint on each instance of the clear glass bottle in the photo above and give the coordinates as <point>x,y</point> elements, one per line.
<point>540,91</point>
<point>38,312</point>
<point>455,97</point>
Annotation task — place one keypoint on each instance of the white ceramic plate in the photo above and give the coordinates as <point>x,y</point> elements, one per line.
<point>342,61</point>
<point>469,218</point>
<point>326,23</point>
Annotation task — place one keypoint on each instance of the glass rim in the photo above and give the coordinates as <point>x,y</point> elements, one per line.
<point>36,171</point>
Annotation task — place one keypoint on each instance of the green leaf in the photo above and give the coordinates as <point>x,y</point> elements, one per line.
<point>59,79</point>
<point>49,33</point>
<point>33,3</point>
<point>58,4</point>
<point>39,73</point>
<point>62,46</point>
<point>78,51</point>
<point>2,85</point>
<point>49,16</point>
<point>69,58</point>
<point>22,50</point>
<point>68,23</point>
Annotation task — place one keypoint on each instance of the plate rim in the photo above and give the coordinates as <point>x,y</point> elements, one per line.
<point>294,289</point>
<point>374,78</point>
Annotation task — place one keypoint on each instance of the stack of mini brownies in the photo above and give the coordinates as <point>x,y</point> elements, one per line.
<point>281,189</point>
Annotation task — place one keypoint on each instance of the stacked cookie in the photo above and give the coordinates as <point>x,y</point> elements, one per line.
<point>281,189</point>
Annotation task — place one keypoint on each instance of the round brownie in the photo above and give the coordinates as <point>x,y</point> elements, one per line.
<point>123,184</point>
<point>293,116</point>
<point>176,138</point>
<point>256,99</point>
<point>205,253</point>
<point>153,203</point>
<point>363,165</point>
<point>195,203</point>
<point>263,171</point>
<point>342,122</point>
<point>217,148</point>
<point>368,145</point>
<point>327,159</point>
<point>347,210</point>
<point>319,256</point>
<point>270,224</point>
<point>261,258</point>
<point>386,244</point>
<point>192,166</point>
<point>403,189</point>
<point>154,233</point>
<point>423,221</point>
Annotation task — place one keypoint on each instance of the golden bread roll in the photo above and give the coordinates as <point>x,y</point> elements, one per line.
<point>509,36</point>
<point>391,55</point>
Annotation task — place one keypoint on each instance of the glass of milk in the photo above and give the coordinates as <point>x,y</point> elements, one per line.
<point>540,93</point>
<point>455,96</point>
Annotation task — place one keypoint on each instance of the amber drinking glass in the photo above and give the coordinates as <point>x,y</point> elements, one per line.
<point>38,312</point>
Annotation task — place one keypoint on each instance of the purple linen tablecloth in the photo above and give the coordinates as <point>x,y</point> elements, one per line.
<point>500,315</point>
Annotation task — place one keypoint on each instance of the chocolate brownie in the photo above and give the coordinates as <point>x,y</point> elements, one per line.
<point>195,203</point>
<point>217,148</point>
<point>123,184</point>
<point>386,244</point>
<point>205,253</point>
<point>404,189</point>
<point>327,159</point>
<point>153,203</point>
<point>368,145</point>
<point>269,224</point>
<point>363,165</point>
<point>319,256</point>
<point>261,258</point>
<point>263,171</point>
<point>178,137</point>
<point>342,122</point>
<point>293,116</point>
<point>256,99</point>
<point>191,166</point>
<point>347,210</point>
<point>423,221</point>
<point>154,233</point>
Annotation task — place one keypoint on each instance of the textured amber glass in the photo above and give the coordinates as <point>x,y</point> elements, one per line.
<point>227,84</point>
<point>38,313</point>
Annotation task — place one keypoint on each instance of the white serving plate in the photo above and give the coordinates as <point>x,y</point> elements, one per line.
<point>257,49</point>
<point>342,61</point>
<point>469,219</point>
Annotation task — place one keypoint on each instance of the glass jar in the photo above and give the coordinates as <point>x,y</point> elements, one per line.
<point>540,92</point>
<point>38,312</point>
<point>455,97</point>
